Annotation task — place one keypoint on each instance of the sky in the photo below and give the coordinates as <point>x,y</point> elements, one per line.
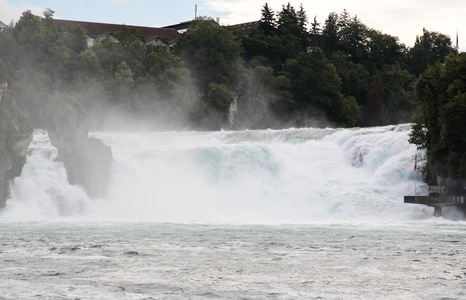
<point>404,19</point>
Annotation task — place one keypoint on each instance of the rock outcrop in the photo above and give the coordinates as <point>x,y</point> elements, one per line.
<point>15,137</point>
<point>87,160</point>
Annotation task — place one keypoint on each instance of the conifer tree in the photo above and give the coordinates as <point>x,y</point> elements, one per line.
<point>267,19</point>
<point>315,27</point>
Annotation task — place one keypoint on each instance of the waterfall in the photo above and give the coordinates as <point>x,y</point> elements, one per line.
<point>231,112</point>
<point>291,175</point>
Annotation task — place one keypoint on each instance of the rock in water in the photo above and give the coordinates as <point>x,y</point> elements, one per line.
<point>87,161</point>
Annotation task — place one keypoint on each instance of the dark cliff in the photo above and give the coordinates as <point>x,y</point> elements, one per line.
<point>87,160</point>
<point>15,137</point>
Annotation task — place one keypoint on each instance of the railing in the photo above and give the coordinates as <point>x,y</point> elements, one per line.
<point>436,200</point>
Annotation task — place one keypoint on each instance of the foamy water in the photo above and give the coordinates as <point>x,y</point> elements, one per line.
<point>134,260</point>
<point>269,176</point>
<point>272,214</point>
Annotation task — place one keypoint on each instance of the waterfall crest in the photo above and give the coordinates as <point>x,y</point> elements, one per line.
<point>292,175</point>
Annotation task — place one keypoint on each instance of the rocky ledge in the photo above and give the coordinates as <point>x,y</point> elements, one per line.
<point>87,160</point>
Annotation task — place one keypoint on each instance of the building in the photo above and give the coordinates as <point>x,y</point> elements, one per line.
<point>181,27</point>
<point>2,26</point>
<point>163,37</point>
<point>249,25</point>
<point>184,26</point>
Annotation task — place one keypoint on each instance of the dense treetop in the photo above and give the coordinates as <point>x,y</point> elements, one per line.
<point>286,72</point>
<point>440,126</point>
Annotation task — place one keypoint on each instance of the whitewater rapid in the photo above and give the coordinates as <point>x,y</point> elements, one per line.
<point>270,214</point>
<point>252,176</point>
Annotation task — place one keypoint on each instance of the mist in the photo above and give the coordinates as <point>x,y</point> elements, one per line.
<point>260,176</point>
<point>276,75</point>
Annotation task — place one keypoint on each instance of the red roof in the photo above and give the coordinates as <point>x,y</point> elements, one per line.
<point>96,29</point>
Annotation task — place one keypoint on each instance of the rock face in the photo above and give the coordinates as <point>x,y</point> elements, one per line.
<point>87,161</point>
<point>15,137</point>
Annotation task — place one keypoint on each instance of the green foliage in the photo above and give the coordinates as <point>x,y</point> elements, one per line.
<point>122,83</point>
<point>48,14</point>
<point>330,34</point>
<point>375,105</point>
<point>292,29</point>
<point>428,49</point>
<point>15,133</point>
<point>219,97</point>
<point>36,37</point>
<point>353,40</point>
<point>267,24</point>
<point>343,71</point>
<point>65,113</point>
<point>354,76</point>
<point>440,126</point>
<point>316,83</point>
<point>14,124</point>
<point>75,39</point>
<point>127,37</point>
<point>211,53</point>
<point>398,86</point>
<point>213,56</point>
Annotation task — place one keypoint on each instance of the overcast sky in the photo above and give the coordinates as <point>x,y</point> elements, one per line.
<point>401,18</point>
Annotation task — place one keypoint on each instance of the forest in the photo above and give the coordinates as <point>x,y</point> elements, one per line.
<point>439,125</point>
<point>287,72</point>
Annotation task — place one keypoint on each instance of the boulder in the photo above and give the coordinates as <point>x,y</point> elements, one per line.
<point>87,161</point>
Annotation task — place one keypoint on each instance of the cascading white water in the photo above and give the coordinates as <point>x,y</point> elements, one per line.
<point>266,176</point>
<point>43,191</point>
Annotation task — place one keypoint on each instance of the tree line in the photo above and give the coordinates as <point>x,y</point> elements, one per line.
<point>439,126</point>
<point>286,72</point>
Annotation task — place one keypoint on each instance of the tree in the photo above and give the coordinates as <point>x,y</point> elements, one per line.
<point>355,78</point>
<point>267,20</point>
<point>315,27</point>
<point>354,41</point>
<point>38,38</point>
<point>127,36</point>
<point>316,83</point>
<point>375,105</point>
<point>265,100</point>
<point>277,72</point>
<point>288,20</point>
<point>292,30</point>
<point>440,126</point>
<point>133,50</point>
<point>382,49</point>
<point>302,19</point>
<point>27,31</point>
<point>315,33</point>
<point>429,48</point>
<point>398,86</point>
<point>10,53</point>
<point>213,55</point>
<point>75,39</point>
<point>48,14</point>
<point>344,20</point>
<point>330,34</point>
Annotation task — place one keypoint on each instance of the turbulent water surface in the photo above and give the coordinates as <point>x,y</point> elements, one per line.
<point>276,214</point>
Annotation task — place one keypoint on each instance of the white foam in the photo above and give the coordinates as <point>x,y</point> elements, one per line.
<point>267,176</point>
